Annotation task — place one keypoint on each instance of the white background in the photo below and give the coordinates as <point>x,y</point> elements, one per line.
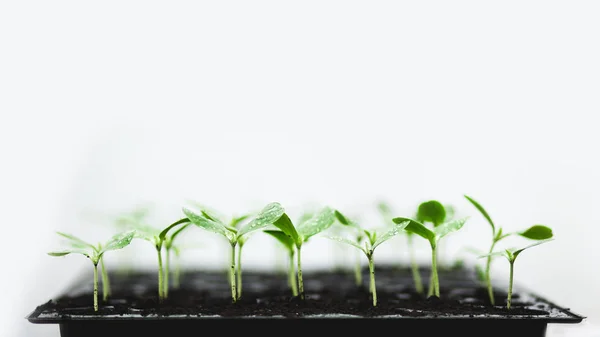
<point>108,105</point>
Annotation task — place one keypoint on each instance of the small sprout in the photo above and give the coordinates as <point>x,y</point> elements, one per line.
<point>433,236</point>
<point>290,245</point>
<point>159,238</point>
<point>319,222</point>
<point>207,221</point>
<point>359,237</point>
<point>536,232</point>
<point>373,240</point>
<point>511,256</point>
<point>386,212</point>
<point>94,253</point>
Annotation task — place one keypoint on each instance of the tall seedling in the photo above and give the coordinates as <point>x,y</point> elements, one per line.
<point>535,232</point>
<point>289,244</point>
<point>94,253</point>
<point>374,239</point>
<point>433,236</point>
<point>158,238</point>
<point>511,256</point>
<point>320,221</point>
<point>269,214</point>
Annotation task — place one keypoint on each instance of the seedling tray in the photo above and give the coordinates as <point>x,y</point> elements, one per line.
<point>333,301</point>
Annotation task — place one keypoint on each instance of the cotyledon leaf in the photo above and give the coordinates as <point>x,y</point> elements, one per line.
<point>318,223</point>
<point>285,224</point>
<point>448,227</point>
<point>346,241</point>
<point>118,241</point>
<point>397,229</point>
<point>432,211</point>
<point>537,232</point>
<point>208,225</point>
<point>482,211</point>
<point>283,238</point>
<point>417,228</point>
<point>75,241</point>
<point>267,216</point>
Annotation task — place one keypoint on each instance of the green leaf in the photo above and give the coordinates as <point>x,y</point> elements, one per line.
<point>238,220</point>
<point>346,241</point>
<point>318,223</point>
<point>163,233</point>
<point>494,254</point>
<point>267,216</point>
<point>285,239</point>
<point>179,230</point>
<point>431,211</point>
<point>517,252</point>
<point>345,220</point>
<point>118,241</point>
<point>285,224</point>
<point>70,251</point>
<point>482,211</point>
<point>448,227</point>
<point>397,229</point>
<point>416,228</point>
<point>75,241</point>
<point>208,225</point>
<point>537,232</point>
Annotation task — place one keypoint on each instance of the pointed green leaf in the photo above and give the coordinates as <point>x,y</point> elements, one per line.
<point>75,241</point>
<point>285,224</point>
<point>397,229</point>
<point>285,239</point>
<point>346,241</point>
<point>448,227</point>
<point>267,216</point>
<point>70,251</point>
<point>163,233</point>
<point>431,211</point>
<point>537,232</point>
<point>118,241</point>
<point>517,252</point>
<point>179,230</point>
<point>495,254</point>
<point>345,220</point>
<point>207,224</point>
<point>318,223</point>
<point>416,228</point>
<point>482,211</point>
<point>236,221</point>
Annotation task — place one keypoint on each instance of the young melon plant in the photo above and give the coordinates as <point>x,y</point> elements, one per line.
<point>94,253</point>
<point>535,232</point>
<point>269,214</point>
<point>433,236</point>
<point>289,244</point>
<point>374,239</point>
<point>158,238</point>
<point>386,213</point>
<point>511,256</point>
<point>299,234</point>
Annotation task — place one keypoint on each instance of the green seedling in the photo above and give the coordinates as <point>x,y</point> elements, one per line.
<point>372,242</point>
<point>170,247</point>
<point>94,253</point>
<point>386,212</point>
<point>269,214</point>
<point>158,238</point>
<point>511,256</point>
<point>433,236</point>
<point>319,222</point>
<point>535,232</point>
<point>289,244</point>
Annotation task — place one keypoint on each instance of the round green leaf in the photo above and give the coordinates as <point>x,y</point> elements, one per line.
<point>432,211</point>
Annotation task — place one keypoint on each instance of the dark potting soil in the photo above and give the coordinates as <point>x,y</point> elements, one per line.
<point>328,293</point>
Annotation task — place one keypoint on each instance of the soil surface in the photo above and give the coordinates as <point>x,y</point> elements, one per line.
<point>267,294</point>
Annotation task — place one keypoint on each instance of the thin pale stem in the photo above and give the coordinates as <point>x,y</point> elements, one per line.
<point>415,267</point>
<point>160,275</point>
<point>357,270</point>
<point>239,272</point>
<point>300,281</point>
<point>105,281</point>
<point>510,284</point>
<point>434,288</point>
<point>372,279</point>
<point>95,287</point>
<point>232,274</point>
<point>167,272</point>
<point>177,274</point>
<point>292,275</point>
<point>488,280</point>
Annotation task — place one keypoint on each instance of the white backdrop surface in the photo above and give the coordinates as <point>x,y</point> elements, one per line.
<point>106,106</point>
